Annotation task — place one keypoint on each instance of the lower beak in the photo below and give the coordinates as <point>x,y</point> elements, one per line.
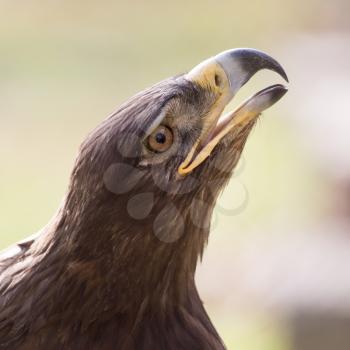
<point>225,74</point>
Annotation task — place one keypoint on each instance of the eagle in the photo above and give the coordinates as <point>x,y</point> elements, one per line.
<point>115,266</point>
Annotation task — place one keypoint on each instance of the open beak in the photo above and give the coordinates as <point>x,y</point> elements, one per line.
<point>225,74</point>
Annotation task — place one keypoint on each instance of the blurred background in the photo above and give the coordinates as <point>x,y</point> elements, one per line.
<point>275,273</point>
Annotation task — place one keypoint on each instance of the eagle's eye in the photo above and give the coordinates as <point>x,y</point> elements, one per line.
<point>161,139</point>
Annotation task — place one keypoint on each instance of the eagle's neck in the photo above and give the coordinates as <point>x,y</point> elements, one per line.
<point>94,279</point>
<point>139,296</point>
<point>95,237</point>
<point>130,260</point>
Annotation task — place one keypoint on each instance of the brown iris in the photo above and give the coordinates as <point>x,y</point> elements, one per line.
<point>161,139</point>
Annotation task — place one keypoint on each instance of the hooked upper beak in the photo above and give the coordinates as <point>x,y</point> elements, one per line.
<point>225,74</point>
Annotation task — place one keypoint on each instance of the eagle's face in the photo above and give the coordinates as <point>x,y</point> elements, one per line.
<point>158,163</point>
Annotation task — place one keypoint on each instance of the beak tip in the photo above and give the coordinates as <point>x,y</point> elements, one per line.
<point>271,95</point>
<point>245,62</point>
<point>284,75</point>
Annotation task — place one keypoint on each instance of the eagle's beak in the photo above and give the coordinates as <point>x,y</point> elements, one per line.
<point>224,75</point>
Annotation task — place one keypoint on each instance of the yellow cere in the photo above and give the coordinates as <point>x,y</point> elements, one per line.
<point>204,75</point>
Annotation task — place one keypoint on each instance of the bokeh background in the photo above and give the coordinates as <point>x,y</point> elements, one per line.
<point>275,274</point>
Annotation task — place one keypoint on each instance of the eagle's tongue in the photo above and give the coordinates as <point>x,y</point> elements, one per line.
<point>248,111</point>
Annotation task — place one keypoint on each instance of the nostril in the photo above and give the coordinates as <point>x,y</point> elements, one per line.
<point>217,80</point>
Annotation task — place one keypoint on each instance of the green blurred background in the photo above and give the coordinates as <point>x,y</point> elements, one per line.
<point>65,65</point>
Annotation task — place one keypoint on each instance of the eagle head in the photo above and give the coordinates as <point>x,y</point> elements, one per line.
<point>146,180</point>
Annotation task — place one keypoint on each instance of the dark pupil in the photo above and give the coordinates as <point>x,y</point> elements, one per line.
<point>160,137</point>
